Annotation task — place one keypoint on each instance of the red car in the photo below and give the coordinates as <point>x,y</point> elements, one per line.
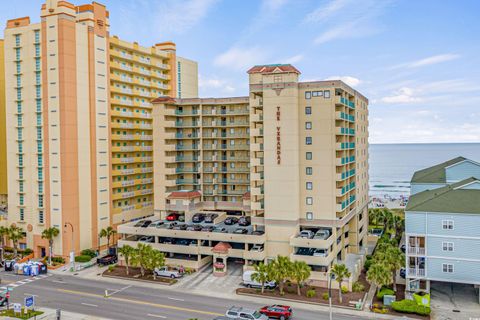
<point>173,217</point>
<point>277,311</point>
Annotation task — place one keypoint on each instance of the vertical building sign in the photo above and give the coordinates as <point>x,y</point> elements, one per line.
<point>279,144</point>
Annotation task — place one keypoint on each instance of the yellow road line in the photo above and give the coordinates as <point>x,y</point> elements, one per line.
<point>164,306</point>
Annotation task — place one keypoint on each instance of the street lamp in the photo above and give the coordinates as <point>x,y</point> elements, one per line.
<point>329,279</point>
<point>72,253</point>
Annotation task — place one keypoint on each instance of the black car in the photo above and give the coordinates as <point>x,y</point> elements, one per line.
<point>194,227</point>
<point>168,241</point>
<point>180,227</point>
<point>258,232</point>
<point>231,221</point>
<point>244,221</point>
<point>183,242</point>
<point>172,225</point>
<point>240,231</point>
<point>403,248</point>
<point>305,251</point>
<point>403,273</point>
<point>220,230</point>
<point>208,228</point>
<point>198,217</point>
<point>210,218</point>
<point>139,223</point>
<point>3,300</point>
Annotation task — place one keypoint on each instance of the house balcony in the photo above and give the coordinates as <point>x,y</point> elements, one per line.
<point>420,251</point>
<point>415,272</point>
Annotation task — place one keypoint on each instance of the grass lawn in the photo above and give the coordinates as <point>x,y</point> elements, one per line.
<point>11,314</point>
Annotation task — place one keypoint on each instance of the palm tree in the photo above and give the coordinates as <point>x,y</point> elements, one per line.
<point>399,226</point>
<point>380,275</point>
<point>156,259</point>
<point>3,233</point>
<point>340,271</point>
<point>15,234</point>
<point>127,252</point>
<point>387,217</point>
<point>50,234</point>
<point>281,271</point>
<point>374,215</point>
<point>262,274</point>
<point>394,259</point>
<point>141,256</point>
<point>300,273</point>
<point>107,233</point>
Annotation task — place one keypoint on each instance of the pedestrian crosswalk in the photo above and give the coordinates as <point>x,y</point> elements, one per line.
<point>24,281</point>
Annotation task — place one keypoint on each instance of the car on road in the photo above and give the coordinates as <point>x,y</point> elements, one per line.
<point>210,218</point>
<point>277,311</point>
<point>149,239</point>
<point>173,217</point>
<point>230,221</point>
<point>244,314</point>
<point>220,230</point>
<point>165,272</point>
<point>194,227</point>
<point>240,231</point>
<point>208,228</point>
<point>244,221</point>
<point>198,217</point>
<point>306,234</point>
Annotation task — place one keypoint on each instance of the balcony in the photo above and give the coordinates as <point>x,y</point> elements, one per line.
<point>256,117</point>
<point>344,116</point>
<point>415,272</point>
<point>345,102</point>
<point>345,131</point>
<point>420,251</point>
<point>256,147</point>
<point>345,145</point>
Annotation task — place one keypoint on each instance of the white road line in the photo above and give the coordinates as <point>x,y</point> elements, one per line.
<point>58,281</point>
<point>117,291</point>
<point>156,316</point>
<point>89,304</point>
<point>176,299</point>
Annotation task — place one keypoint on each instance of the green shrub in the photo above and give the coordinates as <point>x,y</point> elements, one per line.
<point>311,293</point>
<point>325,296</point>
<point>60,260</point>
<point>410,306</point>
<point>368,264</point>
<point>422,310</point>
<point>89,252</point>
<point>344,289</point>
<point>82,258</point>
<point>111,267</point>
<point>385,291</point>
<point>27,252</point>
<point>358,287</point>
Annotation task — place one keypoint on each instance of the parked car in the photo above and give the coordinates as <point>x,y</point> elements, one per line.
<point>172,225</point>
<point>193,243</point>
<point>277,311</point>
<point>305,251</point>
<point>320,253</point>
<point>307,234</point>
<point>149,239</point>
<point>146,223</point>
<point>258,232</point>
<point>230,221</point>
<point>403,273</point>
<point>3,299</point>
<point>108,259</point>
<point>180,227</point>
<point>242,313</point>
<point>244,221</point>
<point>322,234</point>
<point>208,228</point>
<point>164,272</point>
<point>220,230</point>
<point>183,242</point>
<point>210,218</point>
<point>194,227</point>
<point>240,231</point>
<point>257,248</point>
<point>198,217</point>
<point>169,241</point>
<point>157,224</point>
<point>139,223</point>
<point>249,283</point>
<point>173,217</point>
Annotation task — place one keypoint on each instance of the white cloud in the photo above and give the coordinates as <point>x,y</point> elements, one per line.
<point>179,16</point>
<point>325,12</point>
<point>215,84</point>
<point>403,95</point>
<point>240,58</point>
<point>351,81</point>
<point>439,58</point>
<point>293,59</point>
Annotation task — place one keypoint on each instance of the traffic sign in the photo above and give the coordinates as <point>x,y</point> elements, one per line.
<point>30,302</point>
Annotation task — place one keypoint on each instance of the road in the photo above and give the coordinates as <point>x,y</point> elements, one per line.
<point>84,296</point>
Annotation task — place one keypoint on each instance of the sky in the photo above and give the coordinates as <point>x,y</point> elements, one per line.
<point>417,61</point>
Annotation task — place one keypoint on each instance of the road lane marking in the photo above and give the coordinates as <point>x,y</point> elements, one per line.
<point>176,299</point>
<point>156,316</point>
<point>164,306</point>
<point>89,304</point>
<point>59,281</point>
<point>116,291</point>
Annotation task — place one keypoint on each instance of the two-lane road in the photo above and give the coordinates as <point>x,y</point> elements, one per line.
<point>84,296</point>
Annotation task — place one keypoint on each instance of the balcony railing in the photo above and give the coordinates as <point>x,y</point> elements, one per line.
<point>416,272</point>
<point>416,250</point>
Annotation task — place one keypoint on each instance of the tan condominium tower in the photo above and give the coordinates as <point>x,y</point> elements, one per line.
<point>291,159</point>
<point>79,124</point>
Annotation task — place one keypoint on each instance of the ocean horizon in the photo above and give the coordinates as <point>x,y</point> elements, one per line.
<point>392,165</point>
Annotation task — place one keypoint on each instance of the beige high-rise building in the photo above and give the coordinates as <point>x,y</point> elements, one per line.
<point>290,161</point>
<point>3,133</point>
<point>79,124</point>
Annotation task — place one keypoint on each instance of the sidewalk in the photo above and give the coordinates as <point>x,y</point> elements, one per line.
<point>51,314</point>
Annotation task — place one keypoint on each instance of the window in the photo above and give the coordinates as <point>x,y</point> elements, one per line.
<point>447,224</point>
<point>308,95</point>
<point>309,215</point>
<point>40,217</point>
<point>309,200</point>
<point>326,94</point>
<point>308,156</point>
<point>447,246</point>
<point>22,214</point>
<point>308,110</point>
<point>317,93</point>
<point>308,171</point>
<point>309,185</point>
<point>308,140</point>
<point>447,267</point>
<point>308,125</point>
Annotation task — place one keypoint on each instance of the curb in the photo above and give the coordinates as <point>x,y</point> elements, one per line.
<point>140,280</point>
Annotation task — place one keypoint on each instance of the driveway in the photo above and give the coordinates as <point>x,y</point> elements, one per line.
<point>447,297</point>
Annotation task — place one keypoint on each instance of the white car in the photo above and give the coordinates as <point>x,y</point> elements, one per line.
<point>257,248</point>
<point>307,234</point>
<point>320,253</point>
<point>148,239</point>
<point>164,272</point>
<point>242,313</point>
<point>322,234</point>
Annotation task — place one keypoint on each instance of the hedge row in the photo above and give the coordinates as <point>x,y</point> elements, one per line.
<point>410,306</point>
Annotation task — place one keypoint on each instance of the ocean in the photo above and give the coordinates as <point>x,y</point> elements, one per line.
<point>392,165</point>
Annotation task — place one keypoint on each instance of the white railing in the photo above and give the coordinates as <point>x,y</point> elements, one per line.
<point>416,250</point>
<point>415,272</point>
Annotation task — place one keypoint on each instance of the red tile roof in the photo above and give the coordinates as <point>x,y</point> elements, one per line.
<point>164,99</point>
<point>273,68</point>
<point>184,195</point>
<point>221,247</point>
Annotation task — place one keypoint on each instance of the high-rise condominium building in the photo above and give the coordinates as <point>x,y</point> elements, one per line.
<point>79,126</point>
<point>291,159</point>
<point>3,133</point>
